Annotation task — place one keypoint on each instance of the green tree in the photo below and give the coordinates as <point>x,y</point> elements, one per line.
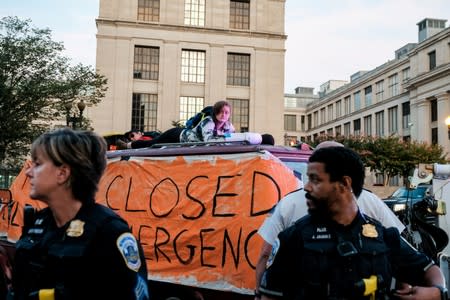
<point>391,155</point>
<point>36,84</point>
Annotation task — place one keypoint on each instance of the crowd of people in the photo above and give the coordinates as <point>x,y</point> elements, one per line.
<point>325,241</point>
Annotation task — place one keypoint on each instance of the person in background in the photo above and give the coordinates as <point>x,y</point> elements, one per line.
<point>338,252</point>
<point>267,139</point>
<point>136,135</point>
<point>210,128</point>
<point>74,248</point>
<point>293,206</point>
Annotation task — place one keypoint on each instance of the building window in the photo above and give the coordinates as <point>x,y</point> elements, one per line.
<point>434,112</point>
<point>406,115</point>
<point>290,140</point>
<point>146,63</point>
<point>240,114</point>
<point>330,112</point>
<point>322,116</point>
<point>309,122</point>
<point>368,96</point>
<point>347,129</point>
<point>405,74</point>
<point>302,123</point>
<point>189,106</point>
<point>357,101</point>
<point>379,123</point>
<point>194,12</point>
<point>338,108</point>
<point>432,58</point>
<point>148,10</point>
<point>144,112</point>
<point>337,130</point>
<point>392,120</point>
<point>347,105</point>
<point>357,127</point>
<point>380,90</point>
<point>290,123</point>
<point>315,118</point>
<point>368,125</point>
<point>393,85</point>
<point>238,69</point>
<point>240,14</point>
<point>193,66</point>
<point>330,131</point>
<point>434,136</point>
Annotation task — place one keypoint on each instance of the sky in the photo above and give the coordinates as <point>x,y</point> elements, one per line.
<point>326,39</point>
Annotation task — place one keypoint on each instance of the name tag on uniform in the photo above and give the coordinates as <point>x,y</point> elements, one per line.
<point>322,233</point>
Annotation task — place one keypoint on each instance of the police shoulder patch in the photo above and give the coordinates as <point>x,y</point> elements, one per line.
<point>128,247</point>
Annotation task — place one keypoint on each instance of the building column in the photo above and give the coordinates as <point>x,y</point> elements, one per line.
<point>420,130</point>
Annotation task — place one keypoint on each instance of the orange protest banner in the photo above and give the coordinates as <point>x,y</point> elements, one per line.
<point>196,217</point>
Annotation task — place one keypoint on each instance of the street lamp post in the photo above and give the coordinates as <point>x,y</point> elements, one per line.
<point>447,122</point>
<point>74,119</point>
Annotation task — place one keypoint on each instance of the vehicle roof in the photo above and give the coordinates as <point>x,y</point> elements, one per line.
<point>182,149</point>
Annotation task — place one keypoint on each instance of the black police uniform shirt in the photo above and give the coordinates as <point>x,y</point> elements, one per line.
<point>92,257</point>
<point>327,260</point>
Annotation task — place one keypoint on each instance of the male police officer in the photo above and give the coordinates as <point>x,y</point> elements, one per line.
<point>293,206</point>
<point>337,252</point>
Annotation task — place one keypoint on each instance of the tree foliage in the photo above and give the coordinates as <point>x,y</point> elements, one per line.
<point>36,84</point>
<point>391,155</point>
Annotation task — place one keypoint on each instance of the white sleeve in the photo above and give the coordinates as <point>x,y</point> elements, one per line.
<point>291,208</point>
<point>272,225</point>
<point>374,207</point>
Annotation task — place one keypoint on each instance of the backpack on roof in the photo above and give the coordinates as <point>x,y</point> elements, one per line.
<point>198,117</point>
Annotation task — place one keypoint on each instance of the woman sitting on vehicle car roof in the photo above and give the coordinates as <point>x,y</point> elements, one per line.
<point>208,129</point>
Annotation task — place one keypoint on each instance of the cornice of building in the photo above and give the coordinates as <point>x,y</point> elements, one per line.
<point>172,27</point>
<point>429,76</point>
<point>386,68</point>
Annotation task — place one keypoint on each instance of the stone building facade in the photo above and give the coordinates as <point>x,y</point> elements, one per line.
<point>167,59</point>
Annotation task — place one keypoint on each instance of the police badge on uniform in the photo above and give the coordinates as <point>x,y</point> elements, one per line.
<point>128,247</point>
<point>369,230</point>
<point>75,229</point>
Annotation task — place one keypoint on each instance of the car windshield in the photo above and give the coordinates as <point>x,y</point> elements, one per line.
<point>403,192</point>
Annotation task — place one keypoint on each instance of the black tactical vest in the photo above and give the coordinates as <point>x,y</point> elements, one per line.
<point>337,259</point>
